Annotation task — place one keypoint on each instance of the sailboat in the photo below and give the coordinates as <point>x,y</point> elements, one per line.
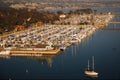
<point>89,72</point>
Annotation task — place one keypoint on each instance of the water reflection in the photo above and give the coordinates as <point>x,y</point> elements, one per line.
<point>7,57</point>
<point>86,77</point>
<point>42,59</point>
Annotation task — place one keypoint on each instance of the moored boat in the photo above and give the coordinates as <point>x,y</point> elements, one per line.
<point>89,72</point>
<point>62,48</point>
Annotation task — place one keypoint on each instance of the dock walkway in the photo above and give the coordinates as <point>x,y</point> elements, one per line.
<point>31,53</point>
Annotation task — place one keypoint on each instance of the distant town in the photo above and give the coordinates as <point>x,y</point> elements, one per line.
<point>11,11</point>
<point>57,4</point>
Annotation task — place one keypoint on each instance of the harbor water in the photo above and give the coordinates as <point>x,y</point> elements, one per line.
<point>104,45</point>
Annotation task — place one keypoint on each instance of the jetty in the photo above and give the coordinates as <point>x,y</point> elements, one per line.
<point>114,22</point>
<point>34,53</point>
<point>29,52</point>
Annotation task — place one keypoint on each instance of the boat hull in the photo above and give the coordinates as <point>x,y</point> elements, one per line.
<point>91,73</point>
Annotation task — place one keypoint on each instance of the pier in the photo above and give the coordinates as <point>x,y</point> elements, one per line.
<point>114,22</point>
<point>116,13</point>
<point>34,53</point>
<point>29,52</point>
<point>116,29</point>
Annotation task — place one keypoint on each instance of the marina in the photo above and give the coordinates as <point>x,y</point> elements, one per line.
<point>50,39</point>
<point>103,44</point>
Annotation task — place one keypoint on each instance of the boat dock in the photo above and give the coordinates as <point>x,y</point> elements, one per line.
<point>47,38</point>
<point>34,53</point>
<point>29,52</point>
<point>114,22</point>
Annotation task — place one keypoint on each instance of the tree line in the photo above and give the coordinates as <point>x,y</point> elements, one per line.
<point>10,17</point>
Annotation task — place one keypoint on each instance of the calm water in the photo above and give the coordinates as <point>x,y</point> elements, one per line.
<point>104,45</point>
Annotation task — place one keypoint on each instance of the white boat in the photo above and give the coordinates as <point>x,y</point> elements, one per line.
<point>62,48</point>
<point>89,72</point>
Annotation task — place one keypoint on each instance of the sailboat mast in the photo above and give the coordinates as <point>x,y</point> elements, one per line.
<point>88,65</point>
<point>93,63</point>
